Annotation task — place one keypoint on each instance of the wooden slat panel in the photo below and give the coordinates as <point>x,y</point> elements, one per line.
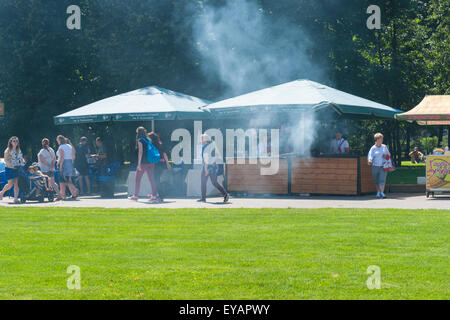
<point>253,172</point>
<point>313,188</point>
<point>334,183</point>
<point>367,185</point>
<point>324,171</point>
<point>263,189</point>
<point>342,165</point>
<point>282,165</point>
<point>312,176</point>
<point>323,189</point>
<point>325,176</point>
<point>255,180</point>
<point>247,177</point>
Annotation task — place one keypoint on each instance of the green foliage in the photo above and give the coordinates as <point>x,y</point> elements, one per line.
<point>47,69</point>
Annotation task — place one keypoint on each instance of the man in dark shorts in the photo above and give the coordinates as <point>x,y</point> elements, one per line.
<point>82,153</point>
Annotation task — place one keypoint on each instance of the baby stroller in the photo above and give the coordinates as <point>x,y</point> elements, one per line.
<point>33,189</point>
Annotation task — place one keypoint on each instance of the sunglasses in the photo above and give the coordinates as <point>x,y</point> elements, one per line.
<point>16,141</point>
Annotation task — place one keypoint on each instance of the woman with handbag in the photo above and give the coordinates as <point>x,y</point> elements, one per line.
<point>66,156</point>
<point>376,158</point>
<point>13,159</point>
<point>210,169</point>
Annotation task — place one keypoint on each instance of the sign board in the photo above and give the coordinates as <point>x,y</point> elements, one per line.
<point>438,173</point>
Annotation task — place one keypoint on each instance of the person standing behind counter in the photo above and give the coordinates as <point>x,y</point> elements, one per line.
<point>339,145</point>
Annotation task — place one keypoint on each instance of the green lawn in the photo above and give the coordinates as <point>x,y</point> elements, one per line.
<point>224,254</point>
<point>405,175</point>
<point>410,164</point>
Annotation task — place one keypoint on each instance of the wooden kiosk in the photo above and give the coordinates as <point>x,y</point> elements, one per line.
<point>340,175</point>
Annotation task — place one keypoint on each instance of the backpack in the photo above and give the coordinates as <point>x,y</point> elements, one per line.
<point>153,155</point>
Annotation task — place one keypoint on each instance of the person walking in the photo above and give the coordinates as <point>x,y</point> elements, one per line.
<point>46,162</point>
<point>161,165</point>
<point>66,156</point>
<point>83,152</point>
<point>376,158</point>
<point>144,166</point>
<point>13,158</point>
<point>210,168</point>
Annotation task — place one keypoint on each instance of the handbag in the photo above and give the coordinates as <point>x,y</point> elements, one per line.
<point>388,164</point>
<point>220,170</point>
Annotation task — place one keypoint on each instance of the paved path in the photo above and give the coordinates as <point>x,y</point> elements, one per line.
<point>401,201</point>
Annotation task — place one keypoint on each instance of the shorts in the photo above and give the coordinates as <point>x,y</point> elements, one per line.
<point>82,169</point>
<point>379,175</point>
<point>67,168</point>
<point>68,171</point>
<point>11,173</point>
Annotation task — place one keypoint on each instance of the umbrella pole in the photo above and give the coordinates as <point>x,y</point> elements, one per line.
<point>153,125</point>
<point>426,136</point>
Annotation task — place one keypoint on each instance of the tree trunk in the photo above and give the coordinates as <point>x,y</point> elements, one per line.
<point>440,134</point>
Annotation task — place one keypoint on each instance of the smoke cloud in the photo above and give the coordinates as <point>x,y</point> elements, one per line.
<point>249,48</point>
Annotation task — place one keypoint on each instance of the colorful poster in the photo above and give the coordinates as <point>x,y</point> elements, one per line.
<point>438,172</point>
<point>2,109</point>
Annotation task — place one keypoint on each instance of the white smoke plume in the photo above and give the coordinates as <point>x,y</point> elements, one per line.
<point>250,49</point>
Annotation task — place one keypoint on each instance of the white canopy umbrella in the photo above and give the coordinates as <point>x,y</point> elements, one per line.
<point>150,103</point>
<point>301,96</point>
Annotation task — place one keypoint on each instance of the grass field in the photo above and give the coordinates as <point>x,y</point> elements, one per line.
<point>410,164</point>
<point>405,175</point>
<point>224,254</point>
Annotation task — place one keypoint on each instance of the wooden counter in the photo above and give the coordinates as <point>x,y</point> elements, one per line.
<point>325,176</point>
<point>333,175</point>
<point>247,178</point>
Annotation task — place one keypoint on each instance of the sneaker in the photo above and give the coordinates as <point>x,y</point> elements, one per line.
<point>154,199</point>
<point>383,196</point>
<point>133,198</point>
<point>378,195</point>
<point>226,198</point>
<point>201,200</point>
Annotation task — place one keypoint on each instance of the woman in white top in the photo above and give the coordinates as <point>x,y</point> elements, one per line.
<point>376,158</point>
<point>47,161</point>
<point>13,159</point>
<point>66,156</point>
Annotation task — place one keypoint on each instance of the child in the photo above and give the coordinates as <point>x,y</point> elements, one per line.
<point>38,177</point>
